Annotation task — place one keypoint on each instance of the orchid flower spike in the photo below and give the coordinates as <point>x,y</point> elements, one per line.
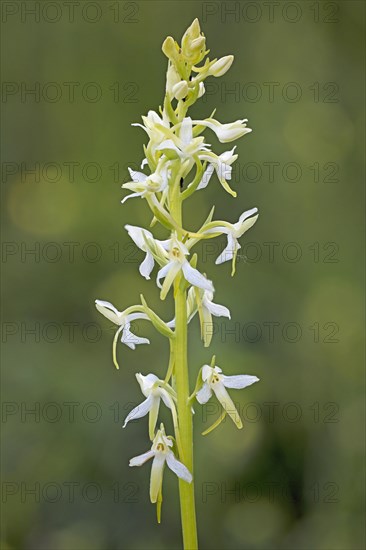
<point>123,320</point>
<point>161,453</point>
<point>216,382</point>
<point>154,390</point>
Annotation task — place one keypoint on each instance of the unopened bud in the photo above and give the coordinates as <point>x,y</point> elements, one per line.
<point>191,33</point>
<point>180,90</point>
<point>197,44</point>
<point>221,66</point>
<point>170,48</point>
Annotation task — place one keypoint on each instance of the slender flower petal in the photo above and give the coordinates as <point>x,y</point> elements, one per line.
<point>178,468</point>
<point>141,459</point>
<point>140,411</point>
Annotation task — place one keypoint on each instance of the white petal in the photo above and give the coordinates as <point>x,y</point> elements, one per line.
<point>227,403</point>
<point>207,371</point>
<point>228,252</point>
<point>194,277</point>
<point>248,214</point>
<point>228,156</point>
<point>185,133</point>
<point>169,279</point>
<point>136,234</point>
<point>165,244</point>
<point>147,265</point>
<point>137,177</point>
<point>206,326</point>
<point>146,382</point>
<point>140,411</point>
<point>156,478</point>
<point>206,177</point>
<point>204,394</point>
<point>216,309</point>
<point>169,144</point>
<point>153,416</point>
<point>246,221</point>
<point>223,171</point>
<point>167,399</point>
<point>162,273</point>
<point>108,310</point>
<point>130,339</point>
<point>178,468</point>
<point>239,381</point>
<point>141,459</point>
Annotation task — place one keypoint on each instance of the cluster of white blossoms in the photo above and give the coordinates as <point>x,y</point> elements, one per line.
<point>178,162</point>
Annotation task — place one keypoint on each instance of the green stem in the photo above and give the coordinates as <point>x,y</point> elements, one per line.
<point>186,490</point>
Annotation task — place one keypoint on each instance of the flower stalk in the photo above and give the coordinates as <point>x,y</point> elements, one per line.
<point>186,491</point>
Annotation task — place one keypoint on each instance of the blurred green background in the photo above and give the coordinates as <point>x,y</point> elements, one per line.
<point>293,477</point>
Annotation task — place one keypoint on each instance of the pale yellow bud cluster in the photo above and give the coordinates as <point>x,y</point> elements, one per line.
<point>183,60</point>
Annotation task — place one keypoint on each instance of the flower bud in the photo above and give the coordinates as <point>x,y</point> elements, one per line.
<point>191,33</point>
<point>172,78</point>
<point>197,44</point>
<point>180,90</point>
<point>170,48</point>
<point>221,66</point>
<point>194,43</point>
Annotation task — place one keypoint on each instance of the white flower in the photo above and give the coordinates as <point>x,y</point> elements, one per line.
<point>222,165</point>
<point>154,126</point>
<point>143,185</point>
<point>161,453</point>
<point>178,262</point>
<point>226,132</point>
<point>184,145</point>
<point>234,232</point>
<point>216,382</point>
<point>142,237</point>
<point>123,320</point>
<point>154,390</point>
